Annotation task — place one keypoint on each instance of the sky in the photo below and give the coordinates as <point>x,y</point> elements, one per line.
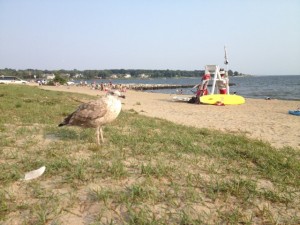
<point>262,37</point>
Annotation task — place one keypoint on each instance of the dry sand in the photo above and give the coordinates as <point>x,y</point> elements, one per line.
<point>266,120</point>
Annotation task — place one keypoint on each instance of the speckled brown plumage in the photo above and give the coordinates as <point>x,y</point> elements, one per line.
<point>95,114</point>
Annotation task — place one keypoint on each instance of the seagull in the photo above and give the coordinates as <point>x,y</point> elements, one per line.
<point>95,114</point>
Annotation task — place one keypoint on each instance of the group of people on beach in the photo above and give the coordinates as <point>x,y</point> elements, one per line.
<point>103,86</point>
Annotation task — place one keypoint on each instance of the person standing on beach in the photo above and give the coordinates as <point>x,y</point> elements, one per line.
<point>222,84</point>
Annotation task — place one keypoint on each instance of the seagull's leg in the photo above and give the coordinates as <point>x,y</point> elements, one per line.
<point>97,134</point>
<point>101,133</point>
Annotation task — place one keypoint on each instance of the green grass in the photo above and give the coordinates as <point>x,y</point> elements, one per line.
<point>148,171</point>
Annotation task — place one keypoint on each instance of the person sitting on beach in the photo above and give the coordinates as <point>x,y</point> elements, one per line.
<point>222,84</point>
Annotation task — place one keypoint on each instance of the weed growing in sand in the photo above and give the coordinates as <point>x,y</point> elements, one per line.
<point>148,171</point>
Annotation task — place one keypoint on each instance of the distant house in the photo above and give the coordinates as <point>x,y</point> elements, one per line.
<point>127,76</point>
<point>48,76</point>
<point>114,76</point>
<point>66,75</point>
<point>78,75</point>
<point>143,75</point>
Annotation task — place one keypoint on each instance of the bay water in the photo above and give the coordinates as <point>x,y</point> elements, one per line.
<point>286,87</point>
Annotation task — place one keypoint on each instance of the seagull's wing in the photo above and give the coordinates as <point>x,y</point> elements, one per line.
<point>87,113</point>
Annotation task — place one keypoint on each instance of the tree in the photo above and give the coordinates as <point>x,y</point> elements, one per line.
<point>59,79</point>
<point>236,73</point>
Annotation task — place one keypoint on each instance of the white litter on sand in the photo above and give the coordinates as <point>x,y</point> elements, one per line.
<point>34,173</point>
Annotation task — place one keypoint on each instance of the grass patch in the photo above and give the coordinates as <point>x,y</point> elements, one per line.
<point>149,171</point>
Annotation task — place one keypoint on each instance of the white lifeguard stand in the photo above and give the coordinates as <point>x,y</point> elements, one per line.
<point>214,70</point>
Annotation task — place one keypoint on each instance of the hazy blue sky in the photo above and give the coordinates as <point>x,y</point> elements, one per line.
<point>262,36</point>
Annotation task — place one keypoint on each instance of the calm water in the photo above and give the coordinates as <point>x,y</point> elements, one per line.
<point>276,87</point>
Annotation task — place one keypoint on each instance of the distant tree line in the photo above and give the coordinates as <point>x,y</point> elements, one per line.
<point>92,74</point>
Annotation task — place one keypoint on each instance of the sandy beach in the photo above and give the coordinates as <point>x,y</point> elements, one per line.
<point>266,120</point>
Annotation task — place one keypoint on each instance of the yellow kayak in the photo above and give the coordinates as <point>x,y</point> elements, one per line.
<point>223,99</point>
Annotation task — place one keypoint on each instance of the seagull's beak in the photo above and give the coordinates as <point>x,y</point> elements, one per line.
<point>122,96</point>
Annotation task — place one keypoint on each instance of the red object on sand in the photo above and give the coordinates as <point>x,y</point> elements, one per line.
<point>220,104</point>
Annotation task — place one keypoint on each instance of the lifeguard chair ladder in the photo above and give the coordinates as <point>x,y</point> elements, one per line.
<point>214,70</point>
